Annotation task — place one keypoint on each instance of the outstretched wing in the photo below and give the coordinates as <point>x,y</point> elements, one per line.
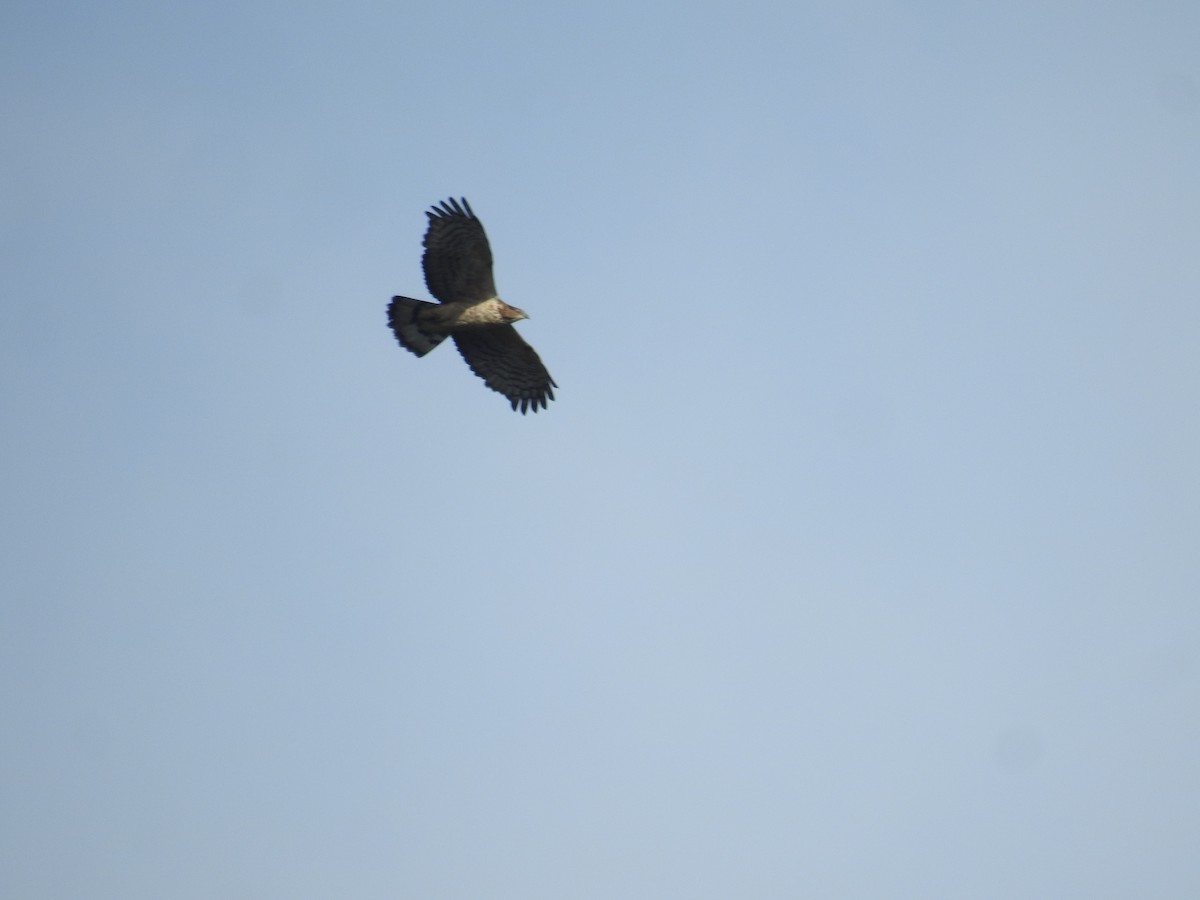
<point>507,364</point>
<point>457,260</point>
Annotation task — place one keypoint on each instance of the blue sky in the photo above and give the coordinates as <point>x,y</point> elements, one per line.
<point>857,557</point>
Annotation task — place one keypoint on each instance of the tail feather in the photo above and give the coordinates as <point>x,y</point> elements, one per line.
<point>404,315</point>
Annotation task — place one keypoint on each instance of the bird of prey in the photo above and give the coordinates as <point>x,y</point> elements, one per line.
<point>458,272</point>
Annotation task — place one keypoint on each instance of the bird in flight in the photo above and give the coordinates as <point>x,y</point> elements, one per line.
<point>458,272</point>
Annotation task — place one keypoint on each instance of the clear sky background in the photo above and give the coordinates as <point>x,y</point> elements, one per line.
<point>858,558</point>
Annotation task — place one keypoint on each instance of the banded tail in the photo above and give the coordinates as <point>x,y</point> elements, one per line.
<point>404,315</point>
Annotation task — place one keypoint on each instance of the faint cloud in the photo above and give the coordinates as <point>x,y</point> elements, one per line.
<point>1018,748</point>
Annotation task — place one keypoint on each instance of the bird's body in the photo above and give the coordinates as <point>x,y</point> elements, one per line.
<point>458,272</point>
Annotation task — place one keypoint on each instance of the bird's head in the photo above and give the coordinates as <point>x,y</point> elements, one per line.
<point>511,314</point>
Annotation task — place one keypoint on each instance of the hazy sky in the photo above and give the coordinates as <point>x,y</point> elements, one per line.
<point>859,556</point>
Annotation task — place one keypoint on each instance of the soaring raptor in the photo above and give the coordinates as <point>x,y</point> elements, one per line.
<point>458,272</point>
